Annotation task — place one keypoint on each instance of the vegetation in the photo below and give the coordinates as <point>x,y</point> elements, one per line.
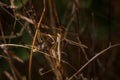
<point>59,40</point>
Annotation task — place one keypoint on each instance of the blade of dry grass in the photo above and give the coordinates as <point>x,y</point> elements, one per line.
<point>58,48</point>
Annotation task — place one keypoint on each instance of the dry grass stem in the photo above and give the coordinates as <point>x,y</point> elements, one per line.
<point>37,50</point>
<point>57,40</point>
<point>33,43</point>
<point>75,43</point>
<point>93,58</point>
<point>58,47</point>
<point>24,18</point>
<point>8,75</point>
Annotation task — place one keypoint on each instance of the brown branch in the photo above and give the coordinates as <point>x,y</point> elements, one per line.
<point>34,40</point>
<point>93,58</point>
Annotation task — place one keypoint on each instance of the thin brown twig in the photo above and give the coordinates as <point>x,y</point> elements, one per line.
<point>75,43</point>
<point>37,50</point>
<point>14,36</point>
<point>83,50</point>
<point>25,18</point>
<point>2,33</point>
<point>12,32</point>
<point>5,57</point>
<point>9,60</point>
<point>93,58</point>
<point>51,13</point>
<point>7,74</point>
<point>3,4</point>
<point>13,15</point>
<point>34,39</point>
